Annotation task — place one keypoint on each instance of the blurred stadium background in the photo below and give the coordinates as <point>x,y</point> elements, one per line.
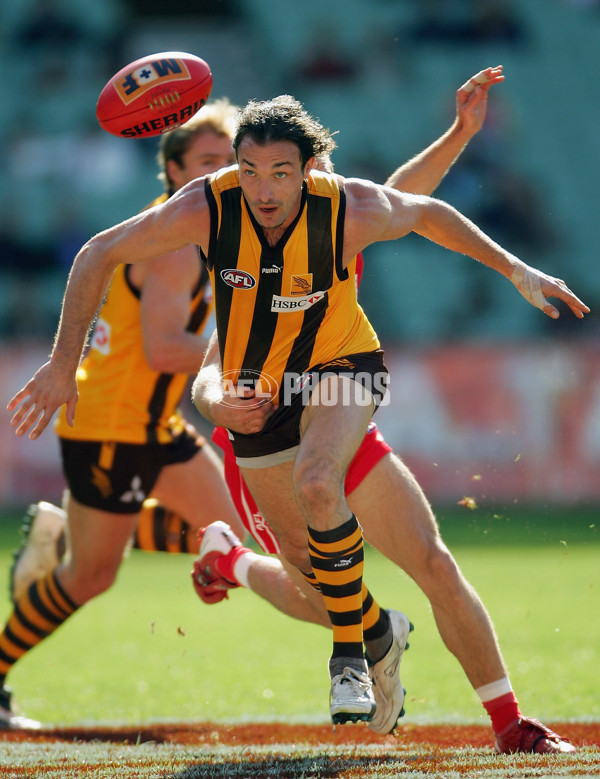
<point>490,398</point>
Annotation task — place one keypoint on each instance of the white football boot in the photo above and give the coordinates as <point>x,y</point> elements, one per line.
<point>351,697</point>
<point>44,540</point>
<point>385,674</point>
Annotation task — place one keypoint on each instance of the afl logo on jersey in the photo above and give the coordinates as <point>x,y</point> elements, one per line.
<point>238,279</point>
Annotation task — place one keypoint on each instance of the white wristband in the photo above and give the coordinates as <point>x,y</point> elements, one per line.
<point>242,566</point>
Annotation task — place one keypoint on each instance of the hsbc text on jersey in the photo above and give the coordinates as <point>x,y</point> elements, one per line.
<point>282,305</point>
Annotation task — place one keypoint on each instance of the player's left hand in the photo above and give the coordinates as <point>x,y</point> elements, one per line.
<point>43,394</point>
<point>471,98</point>
<point>536,287</point>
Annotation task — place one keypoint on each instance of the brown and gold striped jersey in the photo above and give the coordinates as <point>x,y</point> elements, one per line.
<point>285,308</point>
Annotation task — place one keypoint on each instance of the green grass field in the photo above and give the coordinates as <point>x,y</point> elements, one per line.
<point>149,650</point>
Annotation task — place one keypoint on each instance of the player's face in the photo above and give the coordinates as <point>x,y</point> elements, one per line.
<point>207,153</point>
<point>271,177</point>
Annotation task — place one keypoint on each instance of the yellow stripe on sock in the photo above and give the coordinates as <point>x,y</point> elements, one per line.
<point>345,546</point>
<point>145,529</point>
<point>173,533</point>
<point>33,616</point>
<point>341,576</point>
<point>49,591</point>
<point>18,629</point>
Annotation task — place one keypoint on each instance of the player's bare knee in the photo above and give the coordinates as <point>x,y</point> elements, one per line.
<point>317,488</point>
<point>444,579</point>
<point>85,585</point>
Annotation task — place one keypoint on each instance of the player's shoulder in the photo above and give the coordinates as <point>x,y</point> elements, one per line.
<point>357,192</point>
<point>367,212</point>
<point>362,188</point>
<point>365,197</point>
<point>320,182</point>
<point>224,179</point>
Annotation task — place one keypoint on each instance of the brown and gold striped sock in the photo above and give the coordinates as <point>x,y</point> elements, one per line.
<point>161,530</point>
<point>337,559</point>
<point>37,614</point>
<point>377,628</point>
<point>312,580</point>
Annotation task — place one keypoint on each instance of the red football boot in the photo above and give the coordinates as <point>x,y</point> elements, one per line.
<point>218,548</point>
<point>529,735</point>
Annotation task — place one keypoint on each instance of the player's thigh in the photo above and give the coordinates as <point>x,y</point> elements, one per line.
<point>196,490</point>
<point>331,432</point>
<point>97,539</point>
<point>396,516</point>
<point>273,490</point>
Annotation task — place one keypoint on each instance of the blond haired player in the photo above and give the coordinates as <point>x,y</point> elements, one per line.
<point>129,441</point>
<point>401,476</point>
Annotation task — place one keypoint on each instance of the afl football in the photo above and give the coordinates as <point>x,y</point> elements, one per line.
<point>154,94</point>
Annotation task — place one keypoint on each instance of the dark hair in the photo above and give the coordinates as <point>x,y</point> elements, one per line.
<point>283,119</point>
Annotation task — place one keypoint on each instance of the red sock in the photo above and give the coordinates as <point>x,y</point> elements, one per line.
<point>503,710</point>
<point>225,563</point>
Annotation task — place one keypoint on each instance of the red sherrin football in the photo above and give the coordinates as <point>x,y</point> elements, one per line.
<point>154,94</point>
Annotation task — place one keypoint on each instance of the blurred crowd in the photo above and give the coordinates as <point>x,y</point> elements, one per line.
<point>377,68</point>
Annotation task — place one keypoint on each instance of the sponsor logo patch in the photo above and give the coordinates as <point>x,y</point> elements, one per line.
<point>135,493</point>
<point>301,285</point>
<point>138,81</point>
<point>101,336</point>
<point>238,279</point>
<point>283,305</point>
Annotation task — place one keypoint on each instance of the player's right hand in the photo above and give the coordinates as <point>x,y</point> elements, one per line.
<point>35,404</point>
<point>243,412</point>
<point>536,287</point>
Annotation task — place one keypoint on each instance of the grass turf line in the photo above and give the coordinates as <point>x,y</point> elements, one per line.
<point>283,760</point>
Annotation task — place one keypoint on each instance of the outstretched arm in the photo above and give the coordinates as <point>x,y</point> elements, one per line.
<point>377,213</point>
<point>423,173</point>
<point>182,220</point>
<point>441,223</point>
